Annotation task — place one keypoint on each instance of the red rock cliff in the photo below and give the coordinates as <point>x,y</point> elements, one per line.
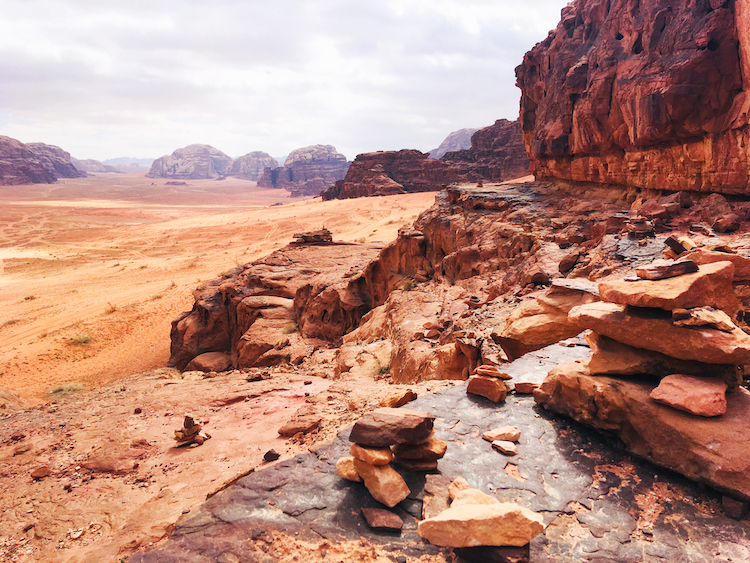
<point>649,93</point>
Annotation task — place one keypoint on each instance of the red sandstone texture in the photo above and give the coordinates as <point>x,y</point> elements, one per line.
<point>393,172</point>
<point>33,163</point>
<point>647,94</point>
<point>497,153</point>
<point>307,171</point>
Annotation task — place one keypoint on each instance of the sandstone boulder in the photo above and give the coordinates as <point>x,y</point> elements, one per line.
<point>373,456</point>
<point>471,525</point>
<point>696,395</point>
<point>383,482</point>
<point>711,286</point>
<point>385,427</point>
<point>431,450</point>
<point>210,361</point>
<point>652,331</point>
<point>491,388</point>
<point>703,256</point>
<point>346,470</point>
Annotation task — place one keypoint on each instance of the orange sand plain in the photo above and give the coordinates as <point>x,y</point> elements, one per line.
<point>93,270</point>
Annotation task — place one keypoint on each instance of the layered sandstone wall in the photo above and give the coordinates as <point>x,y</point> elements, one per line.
<point>194,162</point>
<point>651,94</point>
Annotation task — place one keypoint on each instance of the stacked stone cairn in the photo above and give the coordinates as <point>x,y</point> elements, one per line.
<point>673,320</point>
<point>190,434</point>
<point>454,514</point>
<point>386,435</point>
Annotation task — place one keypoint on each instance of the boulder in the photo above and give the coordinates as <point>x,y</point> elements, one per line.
<point>696,395</point>
<point>471,525</point>
<point>472,496</point>
<point>398,398</point>
<point>714,451</point>
<point>346,470</point>
<point>711,286</point>
<point>194,162</point>
<point>383,482</point>
<point>210,361</point>
<point>491,388</point>
<point>385,427</point>
<point>373,456</point>
<point>650,330</point>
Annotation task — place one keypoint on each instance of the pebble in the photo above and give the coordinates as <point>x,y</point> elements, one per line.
<point>503,446</point>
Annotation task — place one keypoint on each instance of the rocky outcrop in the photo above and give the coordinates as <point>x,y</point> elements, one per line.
<point>307,171</point>
<point>56,159</point>
<point>194,162</point>
<point>456,141</point>
<point>642,94</point>
<point>33,163</point>
<point>252,165</point>
<point>497,153</point>
<point>393,172</point>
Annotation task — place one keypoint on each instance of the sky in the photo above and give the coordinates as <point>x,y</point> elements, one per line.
<point>105,79</point>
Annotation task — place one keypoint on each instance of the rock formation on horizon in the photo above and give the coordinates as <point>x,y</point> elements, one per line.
<point>194,162</point>
<point>33,163</point>
<point>393,172</point>
<point>646,94</point>
<point>307,171</point>
<point>455,141</point>
<point>252,165</point>
<point>497,153</point>
<point>89,165</point>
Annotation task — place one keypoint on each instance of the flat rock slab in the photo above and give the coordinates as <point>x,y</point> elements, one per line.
<point>715,451</point>
<point>385,427</point>
<point>711,286</point>
<point>587,490</point>
<point>642,328</point>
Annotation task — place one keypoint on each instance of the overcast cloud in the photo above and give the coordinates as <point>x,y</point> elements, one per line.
<point>104,79</point>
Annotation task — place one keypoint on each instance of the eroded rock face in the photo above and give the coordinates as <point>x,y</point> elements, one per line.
<point>393,172</point>
<point>497,153</point>
<point>194,162</point>
<point>646,94</point>
<point>56,159</point>
<point>307,171</point>
<point>252,165</point>
<point>33,163</point>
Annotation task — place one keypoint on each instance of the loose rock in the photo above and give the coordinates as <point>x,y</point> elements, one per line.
<point>490,387</point>
<point>386,426</point>
<point>380,519</point>
<point>373,456</point>
<point>507,433</point>
<point>346,470</point>
<point>383,482</point>
<point>697,395</point>
<point>505,447</point>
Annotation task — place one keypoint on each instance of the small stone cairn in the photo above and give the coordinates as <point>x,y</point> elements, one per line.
<point>386,435</point>
<point>190,434</point>
<point>673,320</point>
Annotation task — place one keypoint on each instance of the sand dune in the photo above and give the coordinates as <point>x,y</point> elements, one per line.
<point>93,270</point>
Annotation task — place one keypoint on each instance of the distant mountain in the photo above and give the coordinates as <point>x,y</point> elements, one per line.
<point>33,163</point>
<point>90,165</point>
<point>307,171</point>
<point>194,162</point>
<point>456,141</point>
<point>127,160</point>
<point>252,165</point>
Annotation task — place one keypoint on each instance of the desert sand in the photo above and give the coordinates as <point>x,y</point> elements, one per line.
<point>93,270</point>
